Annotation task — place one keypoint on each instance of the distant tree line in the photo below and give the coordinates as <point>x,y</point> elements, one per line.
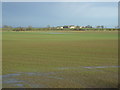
<point>48,28</point>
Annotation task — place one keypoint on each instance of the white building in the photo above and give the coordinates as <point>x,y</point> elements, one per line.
<point>72,27</point>
<point>59,27</point>
<point>82,26</point>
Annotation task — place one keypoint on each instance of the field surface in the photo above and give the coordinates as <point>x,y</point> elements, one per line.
<point>60,59</point>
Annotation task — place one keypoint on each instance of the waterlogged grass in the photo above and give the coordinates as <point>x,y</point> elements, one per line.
<point>45,52</point>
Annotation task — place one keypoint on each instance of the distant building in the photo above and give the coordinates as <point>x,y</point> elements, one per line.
<point>59,27</point>
<point>82,26</point>
<point>72,27</point>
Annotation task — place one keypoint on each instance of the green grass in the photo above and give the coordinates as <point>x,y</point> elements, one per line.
<point>48,51</point>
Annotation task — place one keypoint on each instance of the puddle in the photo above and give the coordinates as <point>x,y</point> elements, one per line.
<point>91,67</point>
<point>55,77</point>
<point>39,73</point>
<point>47,75</point>
<point>88,67</point>
<point>55,33</point>
<point>36,85</point>
<point>10,79</point>
<point>19,85</point>
<point>63,68</point>
<point>9,75</point>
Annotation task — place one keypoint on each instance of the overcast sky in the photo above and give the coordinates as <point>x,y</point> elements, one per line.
<point>41,14</point>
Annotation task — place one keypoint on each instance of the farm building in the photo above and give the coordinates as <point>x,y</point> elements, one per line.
<point>59,27</point>
<point>72,27</point>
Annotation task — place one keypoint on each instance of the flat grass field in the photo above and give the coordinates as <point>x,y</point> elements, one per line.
<point>60,59</point>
